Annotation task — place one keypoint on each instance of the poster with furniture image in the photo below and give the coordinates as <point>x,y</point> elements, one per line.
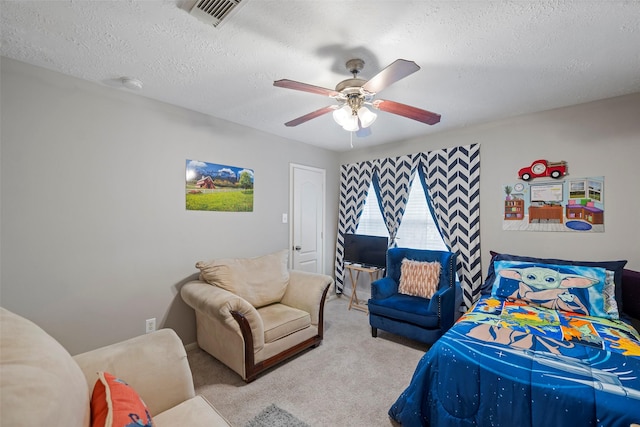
<point>569,205</point>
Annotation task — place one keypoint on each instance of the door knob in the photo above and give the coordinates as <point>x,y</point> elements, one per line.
<point>297,248</point>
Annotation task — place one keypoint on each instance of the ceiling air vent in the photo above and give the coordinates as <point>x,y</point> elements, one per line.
<point>214,11</point>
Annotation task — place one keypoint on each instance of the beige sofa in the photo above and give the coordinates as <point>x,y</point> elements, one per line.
<point>253,313</point>
<point>41,384</point>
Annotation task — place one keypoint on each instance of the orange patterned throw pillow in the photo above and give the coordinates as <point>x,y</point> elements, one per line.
<point>419,278</point>
<point>116,404</point>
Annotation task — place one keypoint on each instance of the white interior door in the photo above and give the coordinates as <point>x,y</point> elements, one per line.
<point>307,218</point>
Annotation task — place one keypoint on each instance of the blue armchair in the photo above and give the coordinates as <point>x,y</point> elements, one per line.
<point>415,317</point>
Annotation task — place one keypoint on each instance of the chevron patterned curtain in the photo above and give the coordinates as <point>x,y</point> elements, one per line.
<point>392,182</point>
<point>452,178</point>
<point>355,180</point>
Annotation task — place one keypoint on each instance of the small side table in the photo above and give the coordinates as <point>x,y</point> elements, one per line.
<point>374,274</point>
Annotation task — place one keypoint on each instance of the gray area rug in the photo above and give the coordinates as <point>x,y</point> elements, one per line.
<point>273,416</point>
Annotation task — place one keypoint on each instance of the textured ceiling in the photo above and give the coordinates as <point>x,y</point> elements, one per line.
<point>480,60</point>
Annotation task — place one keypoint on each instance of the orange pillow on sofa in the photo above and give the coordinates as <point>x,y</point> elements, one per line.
<point>116,404</point>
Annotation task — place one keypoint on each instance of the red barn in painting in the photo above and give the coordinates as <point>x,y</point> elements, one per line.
<point>205,182</point>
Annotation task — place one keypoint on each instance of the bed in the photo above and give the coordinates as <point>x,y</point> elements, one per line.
<point>549,343</point>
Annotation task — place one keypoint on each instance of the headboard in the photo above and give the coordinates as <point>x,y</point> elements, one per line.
<point>631,296</point>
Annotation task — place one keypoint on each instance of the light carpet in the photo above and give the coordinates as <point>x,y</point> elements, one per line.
<point>351,379</point>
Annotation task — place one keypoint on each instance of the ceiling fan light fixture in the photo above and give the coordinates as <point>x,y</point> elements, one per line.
<point>352,95</point>
<point>341,115</point>
<point>351,124</point>
<point>367,117</point>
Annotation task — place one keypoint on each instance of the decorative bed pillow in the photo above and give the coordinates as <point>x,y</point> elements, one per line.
<point>615,266</point>
<point>570,288</point>
<point>261,280</point>
<point>115,404</point>
<point>419,278</point>
<point>610,304</point>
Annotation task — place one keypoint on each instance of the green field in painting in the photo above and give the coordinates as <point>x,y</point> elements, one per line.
<point>224,200</point>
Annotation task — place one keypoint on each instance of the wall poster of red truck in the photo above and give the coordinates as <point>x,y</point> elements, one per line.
<point>543,169</point>
<point>572,204</point>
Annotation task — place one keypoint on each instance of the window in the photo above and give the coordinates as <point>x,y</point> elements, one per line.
<point>586,189</point>
<point>417,230</point>
<point>371,221</point>
<point>595,190</point>
<point>577,190</point>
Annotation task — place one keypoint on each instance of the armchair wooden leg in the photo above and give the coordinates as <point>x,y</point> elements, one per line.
<point>374,332</point>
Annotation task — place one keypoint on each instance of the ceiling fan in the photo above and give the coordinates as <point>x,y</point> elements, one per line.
<point>354,94</point>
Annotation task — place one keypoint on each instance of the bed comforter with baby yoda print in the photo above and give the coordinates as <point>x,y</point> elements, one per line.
<point>508,363</point>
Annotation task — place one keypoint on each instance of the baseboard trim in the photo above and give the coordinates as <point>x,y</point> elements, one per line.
<point>191,346</point>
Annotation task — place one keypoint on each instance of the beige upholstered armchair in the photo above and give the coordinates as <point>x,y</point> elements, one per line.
<point>252,313</point>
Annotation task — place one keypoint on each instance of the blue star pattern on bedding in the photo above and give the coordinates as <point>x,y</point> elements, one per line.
<point>508,363</point>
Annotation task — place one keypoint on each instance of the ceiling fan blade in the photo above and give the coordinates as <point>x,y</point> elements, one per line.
<point>290,84</point>
<point>408,111</point>
<point>312,115</point>
<point>398,70</point>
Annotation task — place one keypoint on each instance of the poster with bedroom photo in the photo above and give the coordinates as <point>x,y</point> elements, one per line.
<point>214,187</point>
<point>573,205</point>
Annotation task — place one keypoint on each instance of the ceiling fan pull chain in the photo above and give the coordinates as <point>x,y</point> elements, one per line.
<point>351,138</point>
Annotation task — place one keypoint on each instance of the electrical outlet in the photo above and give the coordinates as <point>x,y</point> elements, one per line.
<point>150,325</point>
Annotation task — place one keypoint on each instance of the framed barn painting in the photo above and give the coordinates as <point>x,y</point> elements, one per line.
<point>214,187</point>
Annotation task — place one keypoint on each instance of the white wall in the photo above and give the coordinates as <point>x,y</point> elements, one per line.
<point>596,139</point>
<point>95,235</point>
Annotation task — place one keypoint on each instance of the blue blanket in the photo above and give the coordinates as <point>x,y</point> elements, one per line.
<point>510,364</point>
